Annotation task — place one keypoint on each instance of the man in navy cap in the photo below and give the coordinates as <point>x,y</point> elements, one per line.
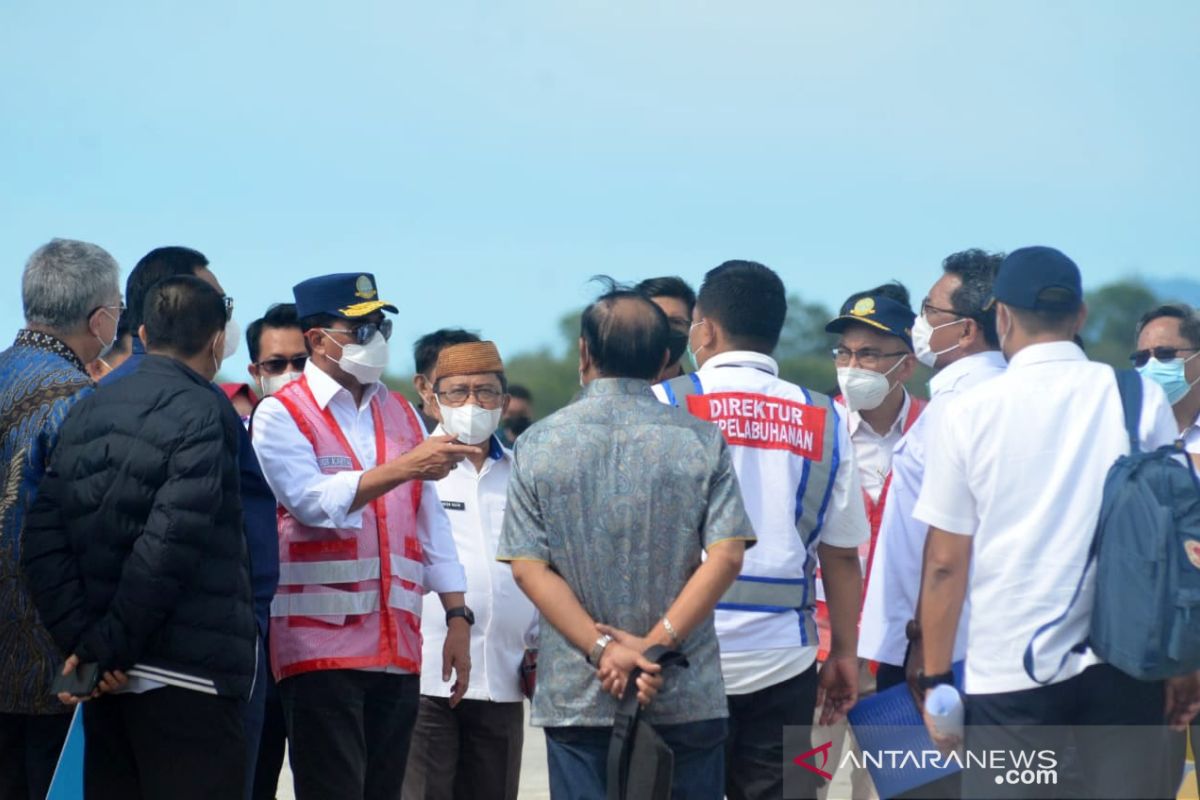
<point>362,536</point>
<point>1012,500</point>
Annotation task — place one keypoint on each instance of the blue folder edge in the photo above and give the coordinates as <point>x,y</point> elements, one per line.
<point>889,721</point>
<point>68,775</point>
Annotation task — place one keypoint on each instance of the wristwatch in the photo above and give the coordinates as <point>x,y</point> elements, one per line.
<point>598,649</point>
<point>927,682</point>
<point>460,611</point>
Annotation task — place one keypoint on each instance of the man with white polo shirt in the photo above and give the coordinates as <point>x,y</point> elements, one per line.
<point>956,337</point>
<point>801,489</point>
<point>1012,499</point>
<point>472,751</point>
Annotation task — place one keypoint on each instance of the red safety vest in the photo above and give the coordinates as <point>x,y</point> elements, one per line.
<point>350,598</point>
<point>874,518</point>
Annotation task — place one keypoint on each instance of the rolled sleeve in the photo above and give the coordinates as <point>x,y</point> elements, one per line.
<point>443,571</point>
<point>725,515</point>
<point>846,519</point>
<point>523,536</point>
<point>289,465</point>
<point>946,501</point>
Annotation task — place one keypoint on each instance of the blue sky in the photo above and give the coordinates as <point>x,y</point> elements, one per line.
<point>484,159</point>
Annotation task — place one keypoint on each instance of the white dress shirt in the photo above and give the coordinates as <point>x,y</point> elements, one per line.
<point>895,581</point>
<point>1191,437</point>
<point>506,622</point>
<point>323,501</point>
<point>873,450</point>
<point>1020,467</point>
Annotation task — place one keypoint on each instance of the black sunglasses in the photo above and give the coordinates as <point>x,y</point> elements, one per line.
<point>1140,358</point>
<point>363,333</point>
<point>278,366</point>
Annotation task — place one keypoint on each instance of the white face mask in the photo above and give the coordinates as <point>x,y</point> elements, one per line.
<point>270,384</point>
<point>233,335</point>
<point>922,334</point>
<point>469,423</point>
<point>862,389</point>
<point>106,347</point>
<point>363,362</point>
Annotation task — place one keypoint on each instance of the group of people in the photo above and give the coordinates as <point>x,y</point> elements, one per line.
<point>212,570</point>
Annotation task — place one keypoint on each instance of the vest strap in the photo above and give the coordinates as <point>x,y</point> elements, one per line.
<point>405,599</point>
<point>773,594</point>
<point>300,573</point>
<point>325,604</point>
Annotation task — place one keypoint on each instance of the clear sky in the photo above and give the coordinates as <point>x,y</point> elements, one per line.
<point>484,159</point>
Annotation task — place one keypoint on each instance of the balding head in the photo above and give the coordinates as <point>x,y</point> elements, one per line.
<point>623,335</point>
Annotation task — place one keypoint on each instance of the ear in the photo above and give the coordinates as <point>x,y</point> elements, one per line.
<point>421,384</point>
<point>1082,320</point>
<point>253,370</point>
<point>141,332</point>
<point>666,361</point>
<point>706,333</point>
<point>585,358</point>
<point>315,341</point>
<point>905,373</point>
<point>971,332</point>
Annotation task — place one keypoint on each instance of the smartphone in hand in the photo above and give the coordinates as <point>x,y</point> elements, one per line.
<point>80,683</point>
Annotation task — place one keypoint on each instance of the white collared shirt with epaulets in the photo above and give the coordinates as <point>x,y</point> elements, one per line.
<point>777,437</point>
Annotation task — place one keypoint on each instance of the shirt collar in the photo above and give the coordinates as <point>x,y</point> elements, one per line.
<point>615,386</point>
<point>743,358</point>
<point>945,379</point>
<point>854,419</point>
<point>1046,352</point>
<point>324,388</point>
<point>51,344</point>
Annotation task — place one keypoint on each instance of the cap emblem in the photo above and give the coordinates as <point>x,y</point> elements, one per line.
<point>364,288</point>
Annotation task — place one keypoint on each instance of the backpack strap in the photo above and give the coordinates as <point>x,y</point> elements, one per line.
<point>1129,384</point>
<point>625,723</point>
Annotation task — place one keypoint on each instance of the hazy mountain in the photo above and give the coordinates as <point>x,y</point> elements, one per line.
<point>1183,289</point>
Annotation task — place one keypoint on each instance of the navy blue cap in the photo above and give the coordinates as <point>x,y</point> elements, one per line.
<point>876,311</point>
<point>1027,273</point>
<point>349,295</point>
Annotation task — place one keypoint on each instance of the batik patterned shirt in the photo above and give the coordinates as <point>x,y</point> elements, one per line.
<point>621,495</point>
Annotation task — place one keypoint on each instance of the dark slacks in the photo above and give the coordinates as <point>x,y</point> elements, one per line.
<point>29,748</point>
<point>271,744</point>
<point>348,732</point>
<point>1118,745</point>
<point>754,749</point>
<point>469,752</point>
<point>578,760</point>
<point>167,743</point>
<point>252,718</point>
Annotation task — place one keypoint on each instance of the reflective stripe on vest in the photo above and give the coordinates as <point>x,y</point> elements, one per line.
<point>299,573</point>
<point>774,595</point>
<point>325,604</point>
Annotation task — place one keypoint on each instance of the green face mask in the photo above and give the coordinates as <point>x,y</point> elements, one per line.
<point>691,354</point>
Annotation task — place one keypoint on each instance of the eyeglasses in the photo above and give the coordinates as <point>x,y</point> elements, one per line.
<point>278,366</point>
<point>363,333</point>
<point>119,308</point>
<point>228,301</point>
<point>1139,358</point>
<point>926,307</point>
<point>868,357</point>
<point>486,396</point>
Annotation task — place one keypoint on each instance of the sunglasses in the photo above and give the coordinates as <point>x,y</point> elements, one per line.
<point>228,301</point>
<point>363,333</point>
<point>278,366</point>
<point>1139,358</point>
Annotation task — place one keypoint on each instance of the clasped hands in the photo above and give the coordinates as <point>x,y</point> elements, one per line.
<point>620,658</point>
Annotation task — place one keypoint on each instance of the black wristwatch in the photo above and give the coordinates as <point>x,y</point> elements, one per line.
<point>461,611</point>
<point>927,682</point>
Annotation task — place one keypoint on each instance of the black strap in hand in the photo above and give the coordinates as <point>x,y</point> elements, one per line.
<point>625,723</point>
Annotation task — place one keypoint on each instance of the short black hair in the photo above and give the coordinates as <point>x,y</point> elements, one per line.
<point>668,286</point>
<point>279,315</point>
<point>520,392</point>
<point>1189,321</point>
<point>626,334</point>
<point>748,301</point>
<point>182,314</point>
<point>976,269</point>
<point>427,349</point>
<point>159,263</point>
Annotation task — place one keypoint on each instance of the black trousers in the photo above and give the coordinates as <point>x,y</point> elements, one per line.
<point>348,732</point>
<point>754,749</point>
<point>469,752</point>
<point>167,743</point>
<point>1117,745</point>
<point>271,745</point>
<point>29,748</point>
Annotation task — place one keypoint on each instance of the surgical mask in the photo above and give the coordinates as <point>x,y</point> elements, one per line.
<point>922,334</point>
<point>1170,376</point>
<point>216,361</point>
<point>862,389</point>
<point>106,347</point>
<point>270,384</point>
<point>690,352</point>
<point>233,335</point>
<point>364,362</point>
<point>677,342</point>
<point>470,423</point>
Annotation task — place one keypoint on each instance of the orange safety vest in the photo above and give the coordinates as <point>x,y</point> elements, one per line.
<point>875,519</point>
<point>350,598</point>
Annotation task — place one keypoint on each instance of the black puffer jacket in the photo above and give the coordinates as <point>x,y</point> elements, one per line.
<point>134,551</point>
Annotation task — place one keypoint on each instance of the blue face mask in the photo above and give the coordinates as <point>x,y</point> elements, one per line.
<point>1170,376</point>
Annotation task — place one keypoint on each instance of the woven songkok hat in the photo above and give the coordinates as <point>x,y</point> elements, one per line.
<point>468,359</point>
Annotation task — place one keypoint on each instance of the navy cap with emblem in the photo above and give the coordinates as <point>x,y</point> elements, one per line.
<point>875,311</point>
<point>349,295</point>
<point>1038,279</point>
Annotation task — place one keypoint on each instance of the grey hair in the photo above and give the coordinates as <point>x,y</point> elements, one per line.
<point>64,280</point>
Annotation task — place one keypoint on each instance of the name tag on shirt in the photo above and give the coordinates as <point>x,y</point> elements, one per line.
<point>454,505</point>
<point>335,462</point>
<point>767,423</point>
